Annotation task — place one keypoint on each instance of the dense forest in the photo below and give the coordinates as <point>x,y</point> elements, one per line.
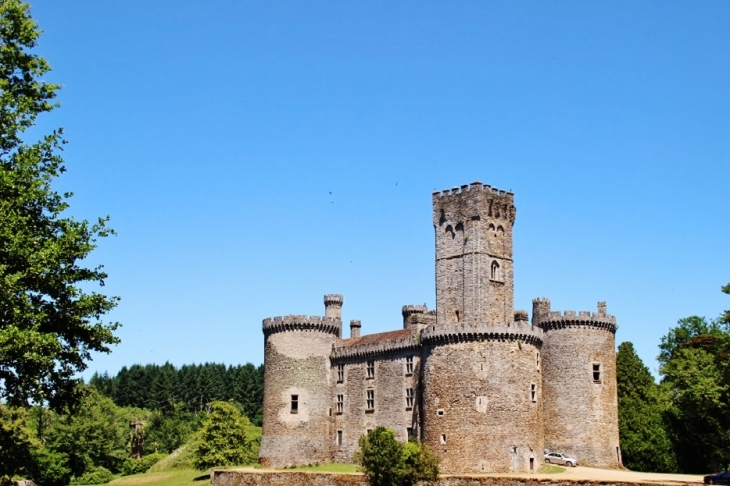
<point>189,389</point>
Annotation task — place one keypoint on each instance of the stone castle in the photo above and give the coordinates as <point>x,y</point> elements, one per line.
<point>488,389</point>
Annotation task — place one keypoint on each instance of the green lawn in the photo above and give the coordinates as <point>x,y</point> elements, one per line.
<point>551,469</point>
<point>168,478</point>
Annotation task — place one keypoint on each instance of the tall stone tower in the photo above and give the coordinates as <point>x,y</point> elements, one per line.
<point>579,383</point>
<point>474,270</point>
<point>482,398</point>
<point>296,374</point>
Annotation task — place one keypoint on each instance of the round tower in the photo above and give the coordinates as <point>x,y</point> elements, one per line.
<point>296,377</point>
<point>579,384</point>
<point>482,404</point>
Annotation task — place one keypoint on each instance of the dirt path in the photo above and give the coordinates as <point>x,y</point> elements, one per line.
<point>594,474</point>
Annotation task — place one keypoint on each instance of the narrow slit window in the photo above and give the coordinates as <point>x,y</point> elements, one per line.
<point>340,373</point>
<point>340,404</point>
<point>409,398</point>
<point>443,438</point>
<point>533,392</point>
<point>409,365</point>
<point>537,361</point>
<point>371,368</point>
<point>295,404</point>
<point>339,437</point>
<point>597,373</point>
<point>370,400</point>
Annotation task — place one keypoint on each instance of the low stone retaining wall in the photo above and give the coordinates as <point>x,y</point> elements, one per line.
<point>305,478</point>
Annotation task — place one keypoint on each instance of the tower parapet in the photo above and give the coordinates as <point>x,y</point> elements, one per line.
<point>273,325</point>
<point>464,332</point>
<point>552,320</point>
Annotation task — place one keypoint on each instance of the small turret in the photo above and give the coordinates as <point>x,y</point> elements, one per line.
<point>417,317</point>
<point>540,309</point>
<point>355,329</point>
<point>333,306</point>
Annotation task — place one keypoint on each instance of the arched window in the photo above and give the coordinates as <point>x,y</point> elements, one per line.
<point>496,274</point>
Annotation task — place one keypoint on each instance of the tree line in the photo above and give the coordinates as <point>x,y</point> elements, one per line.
<point>682,423</point>
<point>189,388</point>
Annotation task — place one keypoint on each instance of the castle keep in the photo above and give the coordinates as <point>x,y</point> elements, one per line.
<point>486,387</point>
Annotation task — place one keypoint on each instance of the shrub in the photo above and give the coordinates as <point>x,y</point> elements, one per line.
<point>222,440</point>
<point>387,462</point>
<point>99,475</point>
<point>141,465</point>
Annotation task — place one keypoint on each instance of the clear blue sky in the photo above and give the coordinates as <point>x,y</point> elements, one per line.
<point>257,155</point>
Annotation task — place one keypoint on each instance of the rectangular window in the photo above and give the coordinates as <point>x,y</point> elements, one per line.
<point>409,398</point>
<point>371,369</point>
<point>340,404</point>
<point>533,392</point>
<point>370,401</point>
<point>295,404</point>
<point>537,361</point>
<point>409,432</point>
<point>409,365</point>
<point>340,373</point>
<point>339,437</point>
<point>443,438</point>
<point>597,372</point>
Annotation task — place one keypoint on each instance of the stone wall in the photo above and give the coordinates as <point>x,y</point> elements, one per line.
<point>389,385</point>
<point>581,412</point>
<point>297,478</point>
<point>482,404</point>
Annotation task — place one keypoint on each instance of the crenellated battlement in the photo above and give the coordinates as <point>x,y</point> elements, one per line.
<point>470,188</point>
<point>301,323</point>
<point>558,320</point>
<point>409,310</point>
<point>516,331</point>
<point>333,299</point>
<point>378,348</point>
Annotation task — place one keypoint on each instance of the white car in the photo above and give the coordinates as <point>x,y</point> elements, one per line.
<point>558,458</point>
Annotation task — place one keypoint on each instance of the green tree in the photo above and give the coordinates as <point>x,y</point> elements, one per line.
<point>725,316</point>
<point>387,462</point>
<point>17,444</point>
<point>49,322</point>
<point>223,440</point>
<point>94,434</point>
<point>645,442</point>
<point>696,376</point>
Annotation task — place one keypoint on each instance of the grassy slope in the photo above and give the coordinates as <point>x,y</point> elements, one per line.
<point>168,478</point>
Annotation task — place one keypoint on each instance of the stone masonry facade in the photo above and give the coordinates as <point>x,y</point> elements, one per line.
<point>484,386</point>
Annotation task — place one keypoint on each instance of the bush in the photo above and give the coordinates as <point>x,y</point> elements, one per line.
<point>141,465</point>
<point>223,440</point>
<point>99,475</point>
<point>387,462</point>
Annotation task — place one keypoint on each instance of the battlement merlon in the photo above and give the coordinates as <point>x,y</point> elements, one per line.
<point>471,200</point>
<point>272,325</point>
